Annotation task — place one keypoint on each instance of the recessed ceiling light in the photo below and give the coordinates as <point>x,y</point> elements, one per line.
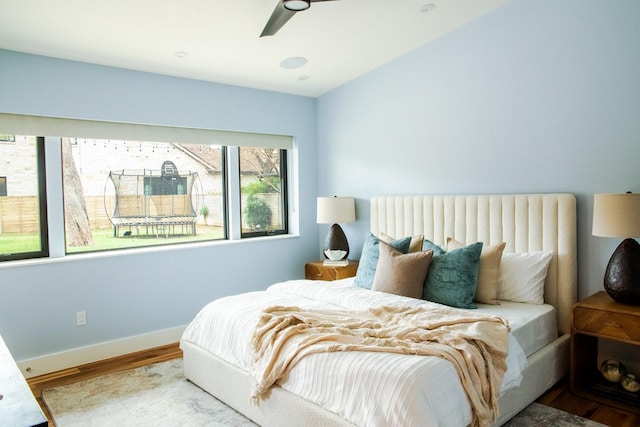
<point>181,54</point>
<point>427,7</point>
<point>293,62</point>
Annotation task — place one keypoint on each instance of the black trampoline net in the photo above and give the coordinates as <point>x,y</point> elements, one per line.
<point>162,199</point>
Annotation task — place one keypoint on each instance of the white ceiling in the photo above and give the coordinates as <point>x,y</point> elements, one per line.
<point>340,39</point>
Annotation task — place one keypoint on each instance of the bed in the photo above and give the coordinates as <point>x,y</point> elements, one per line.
<point>331,389</point>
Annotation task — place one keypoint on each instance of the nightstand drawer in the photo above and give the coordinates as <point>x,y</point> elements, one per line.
<point>606,323</point>
<point>318,271</point>
<point>314,272</point>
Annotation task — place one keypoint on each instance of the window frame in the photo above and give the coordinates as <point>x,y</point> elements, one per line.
<point>231,204</point>
<point>42,210</point>
<point>148,184</point>
<point>284,199</point>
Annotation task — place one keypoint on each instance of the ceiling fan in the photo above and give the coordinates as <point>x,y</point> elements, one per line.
<point>284,10</point>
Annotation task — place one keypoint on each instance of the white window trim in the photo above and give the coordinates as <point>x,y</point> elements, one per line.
<point>55,196</point>
<point>234,222</point>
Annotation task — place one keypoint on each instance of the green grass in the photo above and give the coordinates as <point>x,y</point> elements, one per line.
<point>103,239</point>
<point>11,243</point>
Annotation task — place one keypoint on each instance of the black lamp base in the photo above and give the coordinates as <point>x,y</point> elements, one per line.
<point>622,278</point>
<point>336,240</point>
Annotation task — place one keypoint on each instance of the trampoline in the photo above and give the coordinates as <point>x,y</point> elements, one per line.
<point>153,202</point>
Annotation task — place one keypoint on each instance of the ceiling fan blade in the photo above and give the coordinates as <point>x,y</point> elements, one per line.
<point>278,18</point>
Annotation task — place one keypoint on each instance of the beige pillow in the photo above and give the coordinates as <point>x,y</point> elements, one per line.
<point>414,246</point>
<point>401,274</point>
<point>488,271</point>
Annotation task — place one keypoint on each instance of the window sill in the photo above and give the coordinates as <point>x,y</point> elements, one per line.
<point>143,250</point>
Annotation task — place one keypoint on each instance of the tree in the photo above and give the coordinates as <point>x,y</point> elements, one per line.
<point>266,162</point>
<point>76,218</point>
<point>270,184</point>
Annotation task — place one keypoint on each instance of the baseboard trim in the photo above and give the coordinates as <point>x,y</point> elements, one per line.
<point>83,355</point>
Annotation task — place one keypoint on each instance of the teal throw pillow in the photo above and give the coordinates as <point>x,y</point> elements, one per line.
<point>369,258</point>
<point>453,276</point>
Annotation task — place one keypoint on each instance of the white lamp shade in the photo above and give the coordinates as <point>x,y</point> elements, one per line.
<point>333,210</point>
<point>616,215</point>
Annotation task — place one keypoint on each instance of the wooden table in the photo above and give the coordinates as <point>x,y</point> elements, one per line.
<point>316,270</point>
<point>18,407</point>
<point>599,317</point>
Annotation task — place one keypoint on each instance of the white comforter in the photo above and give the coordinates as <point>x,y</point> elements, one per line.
<point>368,389</point>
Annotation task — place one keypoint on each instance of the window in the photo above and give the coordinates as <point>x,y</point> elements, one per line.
<point>118,190</point>
<point>121,194</point>
<point>23,219</point>
<point>263,192</point>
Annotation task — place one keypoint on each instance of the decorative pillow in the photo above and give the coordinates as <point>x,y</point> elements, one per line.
<point>522,276</point>
<point>414,246</point>
<point>452,276</point>
<point>369,259</point>
<point>488,271</point>
<point>401,274</point>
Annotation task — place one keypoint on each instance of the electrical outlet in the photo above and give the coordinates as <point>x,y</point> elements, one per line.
<point>81,318</point>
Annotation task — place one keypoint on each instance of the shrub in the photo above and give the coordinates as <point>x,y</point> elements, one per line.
<point>257,213</point>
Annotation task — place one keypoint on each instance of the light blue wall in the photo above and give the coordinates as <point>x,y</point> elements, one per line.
<point>137,293</point>
<point>537,96</point>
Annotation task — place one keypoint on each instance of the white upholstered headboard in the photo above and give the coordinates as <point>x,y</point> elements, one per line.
<point>526,222</point>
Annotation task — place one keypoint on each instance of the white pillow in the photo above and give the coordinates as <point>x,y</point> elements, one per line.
<point>522,276</point>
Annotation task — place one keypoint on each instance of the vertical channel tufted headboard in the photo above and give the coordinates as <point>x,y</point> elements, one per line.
<point>526,222</point>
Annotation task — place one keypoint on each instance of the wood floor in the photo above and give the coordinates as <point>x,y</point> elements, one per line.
<point>92,370</point>
<point>559,396</point>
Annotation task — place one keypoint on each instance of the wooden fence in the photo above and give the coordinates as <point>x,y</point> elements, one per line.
<point>19,214</point>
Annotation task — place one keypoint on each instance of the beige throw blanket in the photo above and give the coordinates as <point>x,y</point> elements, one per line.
<point>476,344</point>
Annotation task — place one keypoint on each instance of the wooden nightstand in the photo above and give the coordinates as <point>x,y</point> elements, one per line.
<point>600,317</point>
<point>318,271</point>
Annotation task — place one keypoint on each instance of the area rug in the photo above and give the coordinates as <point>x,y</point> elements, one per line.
<point>537,415</point>
<point>160,395</point>
<point>153,395</point>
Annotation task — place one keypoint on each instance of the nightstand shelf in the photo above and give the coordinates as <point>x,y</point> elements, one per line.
<point>318,271</point>
<point>599,317</point>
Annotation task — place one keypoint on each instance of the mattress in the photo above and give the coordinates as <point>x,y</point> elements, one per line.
<point>348,383</point>
<point>533,325</point>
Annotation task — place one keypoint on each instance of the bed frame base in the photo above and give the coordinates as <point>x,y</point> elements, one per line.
<point>232,386</point>
<point>544,369</point>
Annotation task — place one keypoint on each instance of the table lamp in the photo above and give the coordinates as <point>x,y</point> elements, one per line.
<point>332,210</point>
<point>618,215</point>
